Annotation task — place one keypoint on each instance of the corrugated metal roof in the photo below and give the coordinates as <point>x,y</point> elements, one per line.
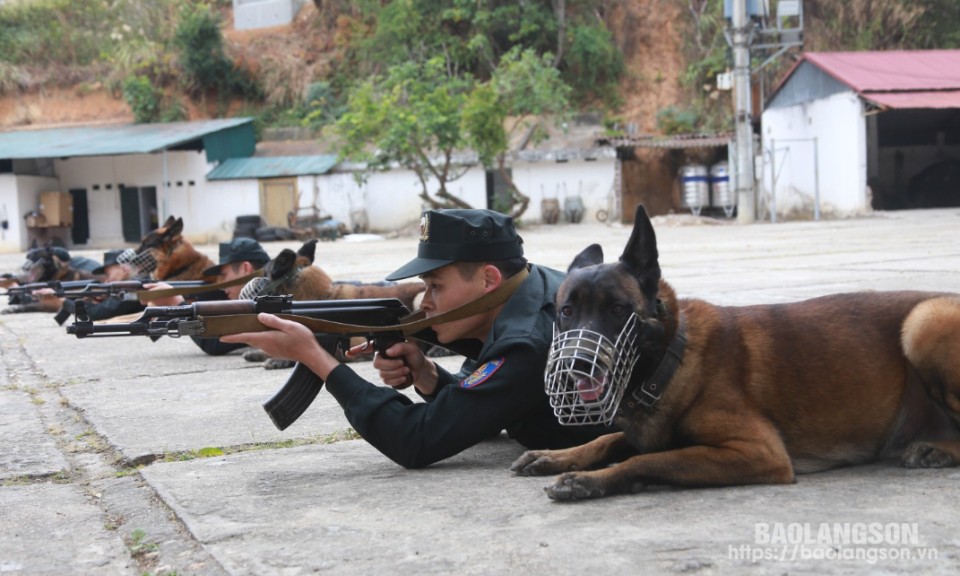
<point>272,167</point>
<point>119,139</point>
<point>945,99</point>
<point>891,79</point>
<point>678,142</point>
<point>892,71</point>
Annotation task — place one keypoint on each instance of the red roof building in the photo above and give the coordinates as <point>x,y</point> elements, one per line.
<point>850,132</point>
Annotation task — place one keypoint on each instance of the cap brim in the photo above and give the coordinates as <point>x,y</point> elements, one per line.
<point>416,267</point>
<point>212,271</point>
<point>98,271</point>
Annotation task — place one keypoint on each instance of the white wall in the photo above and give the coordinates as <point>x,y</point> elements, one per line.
<point>213,210</point>
<point>19,195</point>
<point>251,14</point>
<point>13,238</point>
<point>209,209</point>
<point>392,200</point>
<point>593,181</point>
<point>386,202</point>
<point>835,127</point>
<point>103,204</point>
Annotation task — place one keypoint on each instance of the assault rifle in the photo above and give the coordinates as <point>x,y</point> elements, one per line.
<point>27,289</point>
<point>384,321</point>
<point>378,320</point>
<point>123,289</point>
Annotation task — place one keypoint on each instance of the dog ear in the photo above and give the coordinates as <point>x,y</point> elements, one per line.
<point>640,254</point>
<point>590,256</point>
<point>308,250</point>
<point>283,263</point>
<point>174,229</point>
<point>169,222</point>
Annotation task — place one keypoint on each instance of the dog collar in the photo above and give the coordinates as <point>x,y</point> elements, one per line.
<point>179,270</point>
<point>652,388</point>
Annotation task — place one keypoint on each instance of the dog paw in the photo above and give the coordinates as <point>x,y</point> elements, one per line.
<point>277,364</point>
<point>574,486</point>
<point>538,463</point>
<point>925,455</point>
<point>255,356</point>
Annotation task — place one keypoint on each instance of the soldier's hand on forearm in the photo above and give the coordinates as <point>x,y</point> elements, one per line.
<point>168,301</point>
<point>290,340</point>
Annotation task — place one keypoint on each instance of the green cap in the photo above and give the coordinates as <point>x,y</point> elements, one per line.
<point>239,250</point>
<point>457,235</point>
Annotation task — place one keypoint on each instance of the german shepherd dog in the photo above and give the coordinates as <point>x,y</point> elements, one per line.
<point>294,273</point>
<point>722,395</point>
<point>47,264</point>
<point>176,258</point>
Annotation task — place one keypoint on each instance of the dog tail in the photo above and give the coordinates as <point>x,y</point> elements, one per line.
<point>931,343</point>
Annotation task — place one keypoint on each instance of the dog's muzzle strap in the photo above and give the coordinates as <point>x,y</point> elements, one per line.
<point>652,388</point>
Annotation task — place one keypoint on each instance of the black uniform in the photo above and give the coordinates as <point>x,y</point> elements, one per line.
<point>109,307</point>
<point>235,251</point>
<point>502,389</point>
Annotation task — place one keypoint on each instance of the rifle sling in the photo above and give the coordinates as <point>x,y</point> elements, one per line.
<point>215,326</point>
<point>187,290</point>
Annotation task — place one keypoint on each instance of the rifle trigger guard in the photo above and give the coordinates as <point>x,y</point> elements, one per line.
<point>173,328</point>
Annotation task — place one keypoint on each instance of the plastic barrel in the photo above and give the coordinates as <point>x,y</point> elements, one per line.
<point>694,187</point>
<point>722,195</point>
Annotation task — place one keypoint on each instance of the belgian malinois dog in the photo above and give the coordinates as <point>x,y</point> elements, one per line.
<point>176,258</point>
<point>724,395</point>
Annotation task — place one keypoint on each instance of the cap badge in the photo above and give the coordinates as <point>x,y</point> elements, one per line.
<point>425,227</point>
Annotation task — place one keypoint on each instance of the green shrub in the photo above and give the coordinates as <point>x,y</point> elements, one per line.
<point>200,44</point>
<point>672,120</point>
<point>143,98</point>
<point>592,63</point>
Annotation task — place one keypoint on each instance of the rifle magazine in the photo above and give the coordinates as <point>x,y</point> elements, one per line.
<point>294,397</point>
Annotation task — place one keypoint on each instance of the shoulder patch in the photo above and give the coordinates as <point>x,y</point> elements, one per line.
<point>482,374</point>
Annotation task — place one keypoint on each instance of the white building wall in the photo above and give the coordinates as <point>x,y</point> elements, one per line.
<point>19,195</point>
<point>390,201</point>
<point>14,237</point>
<point>834,129</point>
<point>209,209</point>
<point>386,202</point>
<point>98,175</point>
<point>592,181</point>
<point>252,14</point>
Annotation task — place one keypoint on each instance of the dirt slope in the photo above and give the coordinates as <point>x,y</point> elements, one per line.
<point>644,29</point>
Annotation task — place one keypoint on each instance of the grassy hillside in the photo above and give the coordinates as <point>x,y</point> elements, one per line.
<point>649,63</point>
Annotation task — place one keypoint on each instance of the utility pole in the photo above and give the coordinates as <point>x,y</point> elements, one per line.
<point>746,193</point>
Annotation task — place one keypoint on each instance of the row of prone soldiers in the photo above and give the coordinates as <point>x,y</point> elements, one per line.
<point>53,280</point>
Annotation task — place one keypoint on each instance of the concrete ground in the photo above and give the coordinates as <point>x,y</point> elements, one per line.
<point>126,456</point>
